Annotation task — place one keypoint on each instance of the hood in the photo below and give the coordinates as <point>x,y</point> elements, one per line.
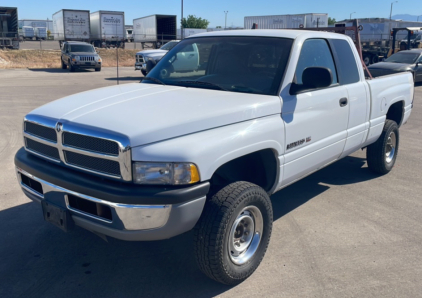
<point>390,66</point>
<point>148,113</point>
<point>84,54</point>
<point>152,53</point>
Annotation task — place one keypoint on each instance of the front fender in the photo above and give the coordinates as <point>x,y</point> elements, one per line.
<point>212,148</point>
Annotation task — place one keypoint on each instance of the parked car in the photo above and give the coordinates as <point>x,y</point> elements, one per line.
<point>403,61</point>
<point>203,148</point>
<point>79,55</point>
<point>142,57</point>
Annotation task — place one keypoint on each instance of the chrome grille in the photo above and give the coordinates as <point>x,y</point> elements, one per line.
<point>90,143</point>
<point>41,131</point>
<point>87,149</point>
<point>109,167</point>
<point>86,58</point>
<point>42,149</point>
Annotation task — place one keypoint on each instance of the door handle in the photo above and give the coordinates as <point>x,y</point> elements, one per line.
<point>343,102</point>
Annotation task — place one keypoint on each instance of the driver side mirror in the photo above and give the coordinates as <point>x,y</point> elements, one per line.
<point>151,64</point>
<point>313,78</point>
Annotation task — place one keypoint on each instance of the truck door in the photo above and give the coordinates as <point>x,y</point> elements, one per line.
<point>315,120</point>
<point>187,59</point>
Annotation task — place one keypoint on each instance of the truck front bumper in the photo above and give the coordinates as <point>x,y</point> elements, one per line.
<point>140,66</point>
<point>123,211</point>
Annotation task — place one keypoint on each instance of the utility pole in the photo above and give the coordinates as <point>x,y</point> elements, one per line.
<point>225,22</point>
<point>418,19</point>
<point>391,10</point>
<point>351,15</point>
<point>181,24</point>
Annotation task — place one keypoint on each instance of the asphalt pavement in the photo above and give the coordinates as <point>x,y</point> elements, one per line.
<point>340,232</point>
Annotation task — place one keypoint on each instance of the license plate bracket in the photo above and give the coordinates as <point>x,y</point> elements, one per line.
<point>87,63</point>
<point>58,216</point>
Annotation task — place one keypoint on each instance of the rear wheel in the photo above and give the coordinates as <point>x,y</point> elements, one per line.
<point>233,233</point>
<point>366,60</point>
<point>382,154</point>
<point>374,59</point>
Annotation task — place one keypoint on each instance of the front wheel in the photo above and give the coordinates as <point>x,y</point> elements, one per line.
<point>64,66</point>
<point>98,69</point>
<point>382,154</point>
<point>144,72</point>
<point>233,233</point>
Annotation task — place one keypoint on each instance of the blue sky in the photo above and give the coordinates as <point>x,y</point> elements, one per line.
<point>214,10</point>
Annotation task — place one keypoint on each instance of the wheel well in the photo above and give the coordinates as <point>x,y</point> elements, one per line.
<point>395,112</point>
<point>260,168</point>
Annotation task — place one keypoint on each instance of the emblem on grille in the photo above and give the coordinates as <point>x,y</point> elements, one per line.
<point>59,127</point>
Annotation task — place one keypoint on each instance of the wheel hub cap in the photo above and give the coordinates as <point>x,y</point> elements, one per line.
<point>245,235</point>
<point>390,147</point>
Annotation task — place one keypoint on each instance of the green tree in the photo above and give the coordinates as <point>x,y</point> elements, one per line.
<point>193,22</point>
<point>218,27</point>
<point>331,21</point>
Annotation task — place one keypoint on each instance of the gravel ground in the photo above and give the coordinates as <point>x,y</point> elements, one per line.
<point>341,232</point>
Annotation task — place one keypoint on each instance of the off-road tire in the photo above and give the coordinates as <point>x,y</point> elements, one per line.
<point>211,233</point>
<point>144,72</point>
<point>98,69</point>
<point>71,68</point>
<point>64,66</point>
<point>376,152</point>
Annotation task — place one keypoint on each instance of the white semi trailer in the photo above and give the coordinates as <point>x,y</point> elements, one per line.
<point>155,30</point>
<point>108,29</point>
<point>308,20</point>
<point>71,25</point>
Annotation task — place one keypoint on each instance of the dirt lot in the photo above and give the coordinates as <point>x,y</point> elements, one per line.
<point>51,58</point>
<point>341,232</point>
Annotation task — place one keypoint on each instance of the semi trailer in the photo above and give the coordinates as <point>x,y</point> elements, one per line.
<point>9,32</point>
<point>155,30</point>
<point>71,25</point>
<point>107,29</point>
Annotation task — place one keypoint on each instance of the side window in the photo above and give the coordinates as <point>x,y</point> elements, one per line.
<point>347,68</point>
<point>315,53</point>
<point>420,59</point>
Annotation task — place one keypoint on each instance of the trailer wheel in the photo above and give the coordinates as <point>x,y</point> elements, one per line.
<point>374,59</point>
<point>367,60</point>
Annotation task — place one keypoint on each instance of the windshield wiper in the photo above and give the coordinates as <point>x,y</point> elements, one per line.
<point>153,79</point>
<point>203,84</point>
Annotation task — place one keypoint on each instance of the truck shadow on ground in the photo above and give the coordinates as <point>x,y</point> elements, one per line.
<point>59,70</point>
<point>39,260</point>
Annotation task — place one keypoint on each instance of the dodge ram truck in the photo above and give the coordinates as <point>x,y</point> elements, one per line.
<point>206,147</point>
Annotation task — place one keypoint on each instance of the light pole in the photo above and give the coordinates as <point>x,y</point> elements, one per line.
<point>181,24</point>
<point>418,19</point>
<point>351,15</point>
<point>391,10</point>
<point>225,22</point>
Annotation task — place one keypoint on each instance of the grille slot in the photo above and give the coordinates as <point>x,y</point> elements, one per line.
<point>42,149</point>
<point>92,208</point>
<point>93,163</point>
<point>41,131</point>
<point>32,184</point>
<point>90,143</point>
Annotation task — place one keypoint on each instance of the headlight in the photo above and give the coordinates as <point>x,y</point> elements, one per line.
<point>77,58</point>
<point>165,173</point>
<point>98,58</point>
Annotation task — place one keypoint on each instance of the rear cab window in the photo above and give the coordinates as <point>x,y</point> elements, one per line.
<point>346,63</point>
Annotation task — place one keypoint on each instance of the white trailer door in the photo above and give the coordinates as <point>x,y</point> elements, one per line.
<point>76,24</point>
<point>112,27</point>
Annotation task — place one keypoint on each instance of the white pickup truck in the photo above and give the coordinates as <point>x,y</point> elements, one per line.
<point>205,148</point>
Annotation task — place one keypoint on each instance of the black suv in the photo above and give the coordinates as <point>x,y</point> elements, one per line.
<point>79,55</point>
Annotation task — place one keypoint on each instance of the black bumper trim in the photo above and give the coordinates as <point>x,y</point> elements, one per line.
<point>104,189</point>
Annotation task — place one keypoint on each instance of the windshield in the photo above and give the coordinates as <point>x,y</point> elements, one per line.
<point>81,48</point>
<point>168,46</point>
<point>230,63</point>
<point>403,57</point>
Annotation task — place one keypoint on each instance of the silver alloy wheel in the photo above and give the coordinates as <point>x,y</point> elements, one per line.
<point>390,147</point>
<point>245,235</point>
